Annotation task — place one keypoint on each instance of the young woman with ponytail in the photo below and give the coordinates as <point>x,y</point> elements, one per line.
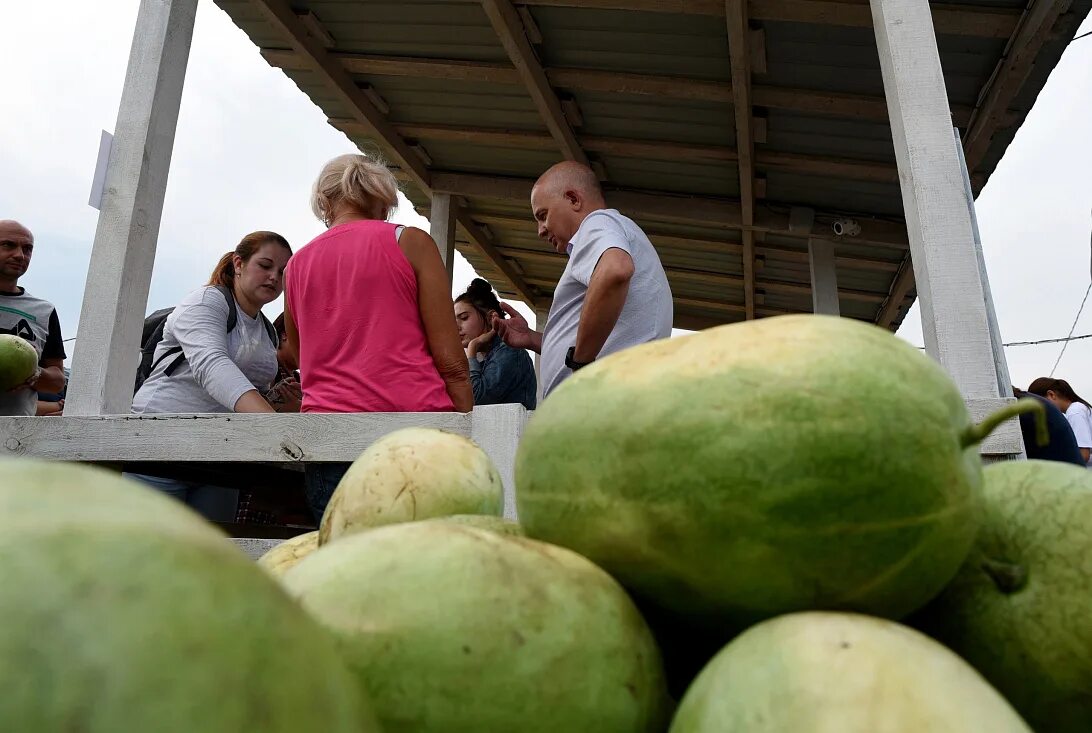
<point>499,374</point>
<point>1077,411</point>
<point>368,311</point>
<point>201,365</point>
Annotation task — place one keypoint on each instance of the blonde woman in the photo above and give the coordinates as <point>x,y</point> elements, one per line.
<point>368,311</point>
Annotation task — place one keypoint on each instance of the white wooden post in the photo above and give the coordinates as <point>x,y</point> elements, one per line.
<point>950,282</point>
<point>824,277</point>
<point>120,273</point>
<point>442,227</point>
<point>497,430</point>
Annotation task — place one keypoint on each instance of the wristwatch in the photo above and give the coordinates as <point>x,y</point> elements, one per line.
<point>572,363</point>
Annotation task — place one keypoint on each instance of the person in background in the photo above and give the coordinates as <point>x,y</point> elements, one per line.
<point>203,366</point>
<point>1062,445</point>
<point>368,311</point>
<point>613,293</point>
<point>33,319</point>
<point>286,395</point>
<point>1077,411</point>
<point>499,374</point>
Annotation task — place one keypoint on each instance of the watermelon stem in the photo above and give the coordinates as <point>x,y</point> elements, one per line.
<point>975,434</point>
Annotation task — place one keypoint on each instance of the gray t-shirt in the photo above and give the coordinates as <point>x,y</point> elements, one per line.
<point>34,320</point>
<point>647,314</point>
<point>220,367</point>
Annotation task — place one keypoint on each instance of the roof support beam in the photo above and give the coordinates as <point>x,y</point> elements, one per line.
<point>739,55</point>
<point>834,104</point>
<point>1024,47</point>
<point>862,170</point>
<point>120,272</point>
<point>314,56</point>
<point>713,212</point>
<point>953,19</point>
<point>509,28</point>
<point>900,289</point>
<point>950,282</point>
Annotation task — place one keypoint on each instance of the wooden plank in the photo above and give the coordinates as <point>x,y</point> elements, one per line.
<point>379,129</point>
<point>949,283</point>
<point>736,282</point>
<point>835,167</point>
<point>279,14</point>
<point>213,438</point>
<point>824,278</point>
<point>682,245</point>
<point>834,104</point>
<point>739,55</point>
<point>901,286</point>
<point>504,265</point>
<point>1024,48</point>
<point>509,29</point>
<point>954,19</point>
<point>643,205</point>
<point>120,271</point>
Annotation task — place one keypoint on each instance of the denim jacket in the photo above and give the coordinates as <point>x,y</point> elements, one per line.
<point>505,375</point>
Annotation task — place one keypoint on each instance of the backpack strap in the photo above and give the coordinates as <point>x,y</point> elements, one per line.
<point>271,330</point>
<point>232,320</point>
<point>232,314</point>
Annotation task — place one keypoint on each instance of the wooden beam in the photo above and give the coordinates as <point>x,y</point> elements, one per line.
<point>964,20</point>
<point>739,54</point>
<point>861,170</point>
<point>476,235</point>
<point>719,279</point>
<point>378,128</point>
<point>901,286</point>
<point>280,15</point>
<point>120,271</point>
<point>703,210</point>
<point>942,239</point>
<point>1027,42</point>
<point>509,28</point>
<point>685,245</point>
<point>835,104</point>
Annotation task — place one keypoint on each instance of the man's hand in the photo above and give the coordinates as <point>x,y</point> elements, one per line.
<point>515,331</point>
<point>31,383</point>
<point>479,344</point>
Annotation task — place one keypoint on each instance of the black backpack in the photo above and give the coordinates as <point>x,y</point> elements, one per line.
<point>153,334</point>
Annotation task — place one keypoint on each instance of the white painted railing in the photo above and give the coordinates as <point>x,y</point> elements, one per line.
<point>250,438</point>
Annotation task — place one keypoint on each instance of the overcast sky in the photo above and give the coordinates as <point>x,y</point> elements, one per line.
<point>249,145</point>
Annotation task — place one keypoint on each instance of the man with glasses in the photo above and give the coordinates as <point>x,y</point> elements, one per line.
<point>30,318</point>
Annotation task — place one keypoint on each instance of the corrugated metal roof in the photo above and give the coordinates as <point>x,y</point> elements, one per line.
<point>647,91</point>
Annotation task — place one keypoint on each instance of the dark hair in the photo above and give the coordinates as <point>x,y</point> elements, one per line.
<point>1042,385</point>
<point>480,295</point>
<point>224,274</point>
<point>278,325</point>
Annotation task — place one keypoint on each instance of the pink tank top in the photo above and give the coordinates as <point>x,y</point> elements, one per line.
<point>353,296</point>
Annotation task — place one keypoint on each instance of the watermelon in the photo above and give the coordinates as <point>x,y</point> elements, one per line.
<point>454,629</point>
<point>412,474</point>
<point>1020,608</point>
<point>122,612</point>
<point>779,465</point>
<point>18,361</point>
<point>821,671</point>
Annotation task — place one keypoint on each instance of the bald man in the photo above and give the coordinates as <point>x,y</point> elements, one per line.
<point>613,294</point>
<point>31,318</point>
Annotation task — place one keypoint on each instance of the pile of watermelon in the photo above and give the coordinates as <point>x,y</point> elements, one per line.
<point>782,525</point>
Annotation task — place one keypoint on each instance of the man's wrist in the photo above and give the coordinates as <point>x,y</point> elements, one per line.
<point>574,363</point>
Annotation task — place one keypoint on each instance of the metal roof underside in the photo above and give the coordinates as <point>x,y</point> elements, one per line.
<point>644,89</point>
